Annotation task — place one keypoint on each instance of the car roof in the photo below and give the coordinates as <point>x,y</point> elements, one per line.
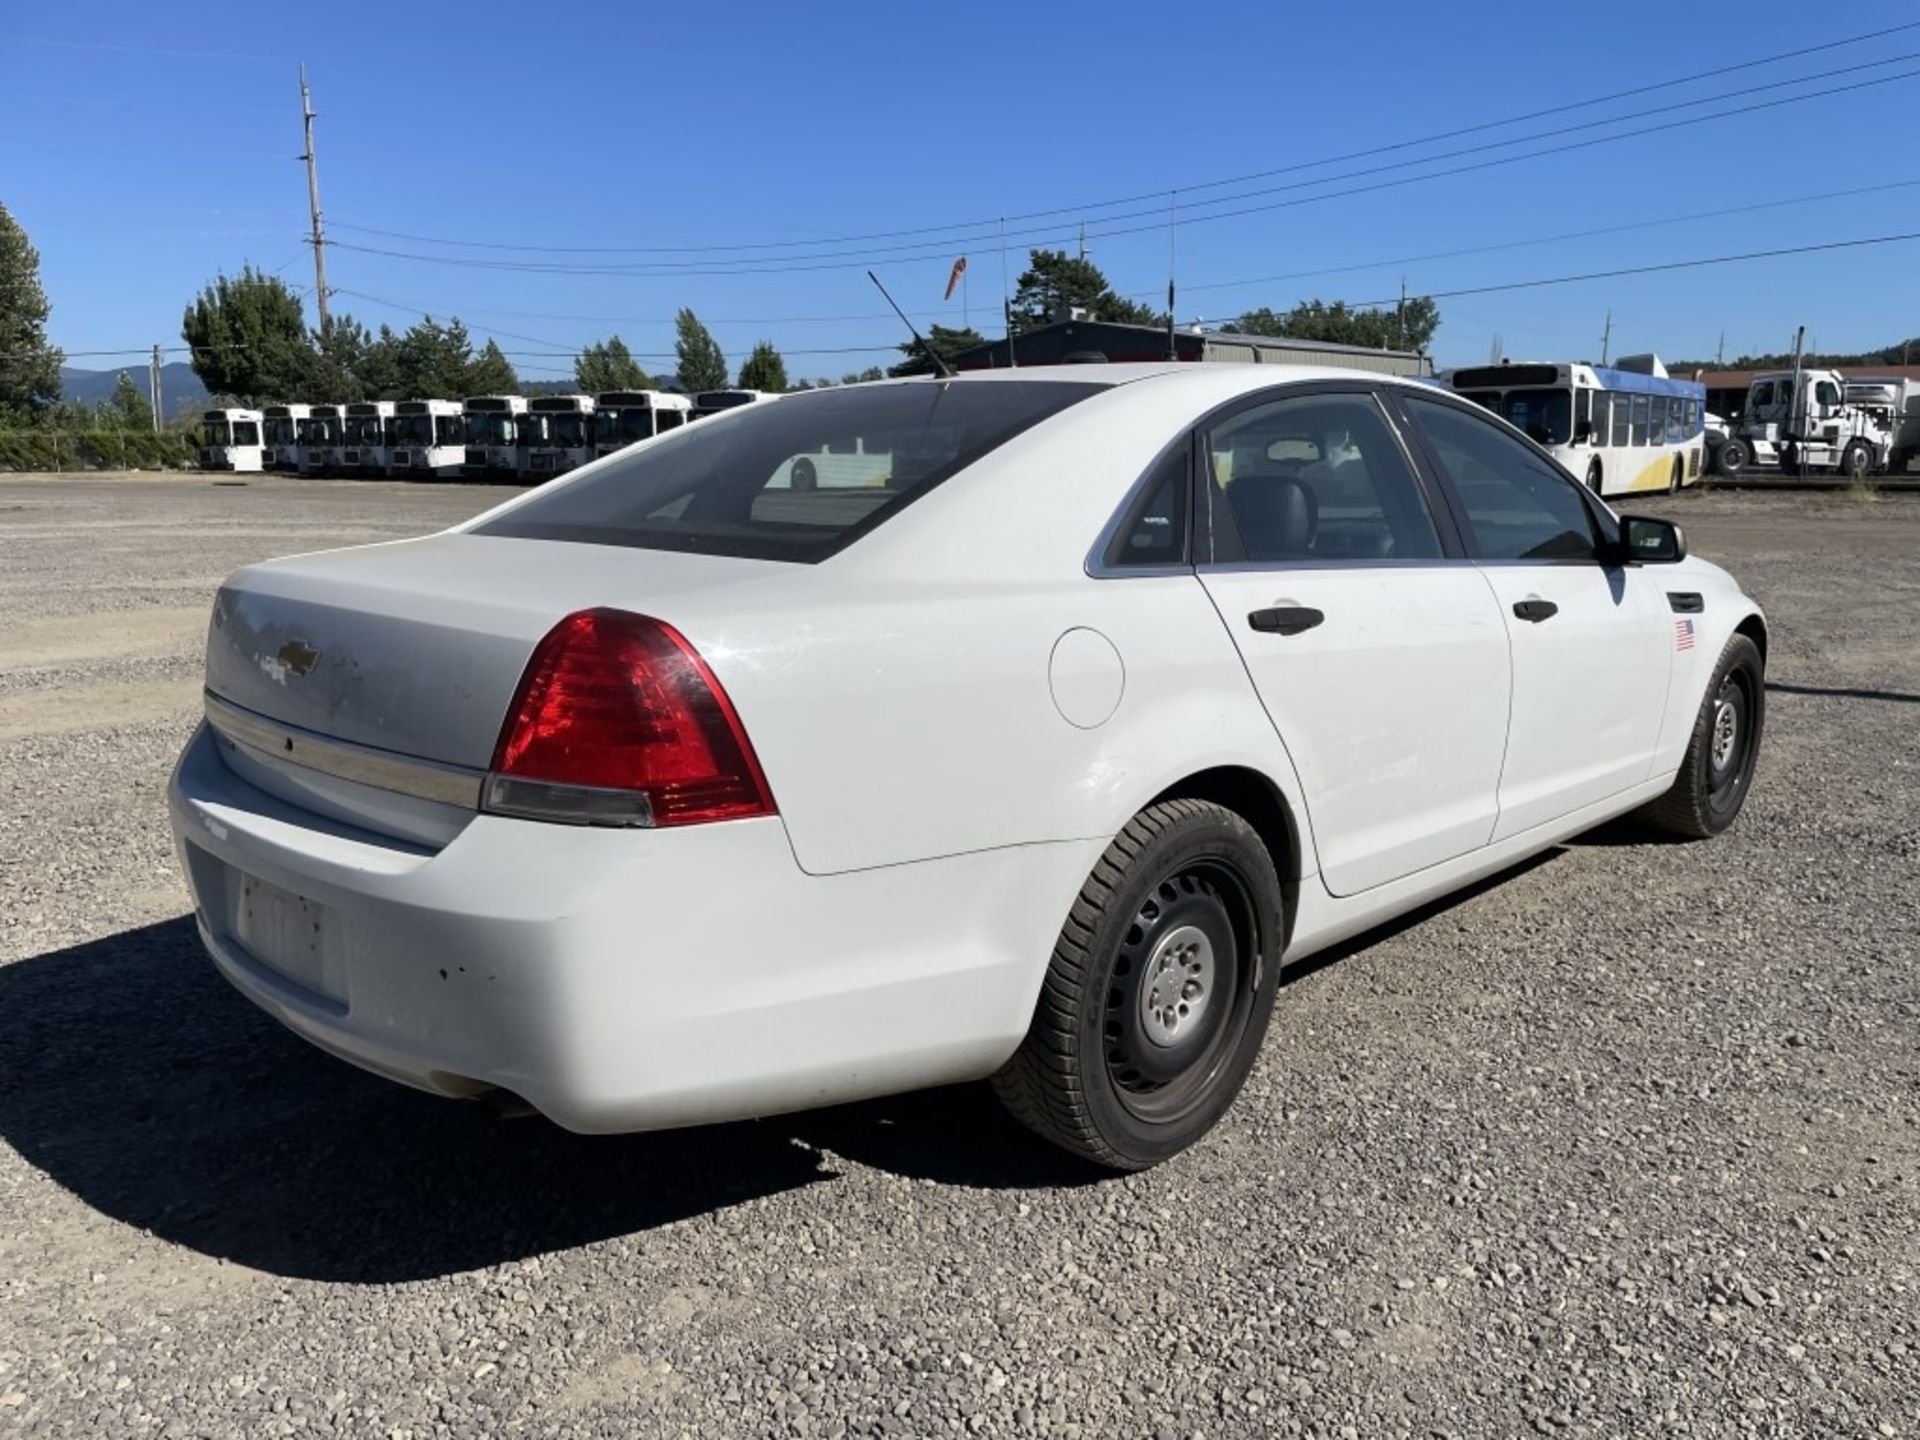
<point>1219,380</point>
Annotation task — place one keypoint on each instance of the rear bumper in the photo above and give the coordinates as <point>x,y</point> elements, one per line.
<point>628,980</point>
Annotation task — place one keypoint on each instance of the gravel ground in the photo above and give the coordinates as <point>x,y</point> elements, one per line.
<point>1624,1143</point>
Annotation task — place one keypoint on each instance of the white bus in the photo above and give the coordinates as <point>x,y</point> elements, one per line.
<point>559,434</point>
<point>1622,429</point>
<point>321,433</point>
<point>280,437</point>
<point>429,440</point>
<point>230,440</point>
<point>492,424</point>
<point>369,434</point>
<point>712,402</point>
<point>622,417</point>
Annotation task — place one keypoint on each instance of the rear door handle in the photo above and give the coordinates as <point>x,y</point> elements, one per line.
<point>1535,611</point>
<point>1285,619</point>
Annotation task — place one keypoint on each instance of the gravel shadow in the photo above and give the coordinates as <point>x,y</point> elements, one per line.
<point>134,1076</point>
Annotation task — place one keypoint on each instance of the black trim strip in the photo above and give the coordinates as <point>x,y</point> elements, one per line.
<point>1686,602</point>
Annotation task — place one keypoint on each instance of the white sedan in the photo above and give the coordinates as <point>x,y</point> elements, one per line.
<point>1022,726</point>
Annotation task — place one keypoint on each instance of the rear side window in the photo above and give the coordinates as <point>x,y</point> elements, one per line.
<point>1315,479</point>
<point>790,479</point>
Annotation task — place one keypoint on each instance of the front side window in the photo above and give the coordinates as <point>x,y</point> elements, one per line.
<point>756,483</point>
<point>1315,478</point>
<point>1602,417</point>
<point>1826,393</point>
<point>1518,505</point>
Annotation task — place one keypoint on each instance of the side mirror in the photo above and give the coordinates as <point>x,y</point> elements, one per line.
<point>1583,432</point>
<point>1645,540</point>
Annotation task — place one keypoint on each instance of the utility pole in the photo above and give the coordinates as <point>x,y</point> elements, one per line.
<point>313,204</point>
<point>1400,317</point>
<point>1720,355</point>
<point>1606,337</point>
<point>153,387</point>
<point>1083,239</point>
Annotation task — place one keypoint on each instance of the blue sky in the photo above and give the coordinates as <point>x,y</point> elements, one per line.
<point>147,150</point>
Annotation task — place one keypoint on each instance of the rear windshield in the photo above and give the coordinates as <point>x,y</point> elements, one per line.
<point>790,479</point>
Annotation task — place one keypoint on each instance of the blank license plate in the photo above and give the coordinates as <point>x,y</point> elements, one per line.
<point>285,932</point>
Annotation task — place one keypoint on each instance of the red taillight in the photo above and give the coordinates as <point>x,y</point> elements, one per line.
<point>619,721</point>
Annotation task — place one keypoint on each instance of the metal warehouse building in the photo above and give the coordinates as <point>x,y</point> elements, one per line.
<point>1067,342</point>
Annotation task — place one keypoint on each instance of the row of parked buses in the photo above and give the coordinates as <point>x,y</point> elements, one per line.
<point>485,437</point>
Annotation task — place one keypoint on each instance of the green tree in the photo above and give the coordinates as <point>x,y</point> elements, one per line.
<point>1055,282</point>
<point>945,342</point>
<point>491,373</point>
<point>703,365</point>
<point>29,366</point>
<point>249,339</point>
<point>608,365</point>
<point>337,370</point>
<point>872,372</point>
<point>763,369</point>
<point>127,408</point>
<point>1408,328</point>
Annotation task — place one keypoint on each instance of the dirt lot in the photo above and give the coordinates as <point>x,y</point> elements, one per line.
<point>1627,1142</point>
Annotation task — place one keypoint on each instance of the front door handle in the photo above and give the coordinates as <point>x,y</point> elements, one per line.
<point>1535,611</point>
<point>1285,619</point>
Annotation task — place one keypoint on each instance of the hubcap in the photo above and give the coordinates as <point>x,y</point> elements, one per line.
<point>1177,987</point>
<point>1726,733</point>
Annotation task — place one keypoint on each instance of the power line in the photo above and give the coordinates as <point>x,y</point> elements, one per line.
<point>950,230</point>
<point>819,263</point>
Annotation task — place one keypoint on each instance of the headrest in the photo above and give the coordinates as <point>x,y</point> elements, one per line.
<point>1277,516</point>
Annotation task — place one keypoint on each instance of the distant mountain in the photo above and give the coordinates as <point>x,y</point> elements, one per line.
<point>178,384</point>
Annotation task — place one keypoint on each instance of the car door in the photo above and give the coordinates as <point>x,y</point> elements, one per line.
<point>1592,644</point>
<point>1376,648</point>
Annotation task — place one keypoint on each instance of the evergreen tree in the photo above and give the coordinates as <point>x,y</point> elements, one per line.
<point>608,365</point>
<point>250,340</point>
<point>127,409</point>
<point>945,342</point>
<point>490,373</point>
<point>703,365</point>
<point>1056,282</point>
<point>29,366</point>
<point>1408,328</point>
<point>764,370</point>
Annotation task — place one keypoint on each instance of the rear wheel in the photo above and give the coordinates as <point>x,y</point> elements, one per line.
<point>1734,455</point>
<point>1159,990</point>
<point>1718,770</point>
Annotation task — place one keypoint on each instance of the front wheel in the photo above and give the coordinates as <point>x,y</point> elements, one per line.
<point>1678,478</point>
<point>1718,770</point>
<point>1596,477</point>
<point>1734,456</point>
<point>1856,463</point>
<point>1159,991</point>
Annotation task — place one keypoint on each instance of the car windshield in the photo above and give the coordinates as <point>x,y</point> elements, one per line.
<point>792,481</point>
<point>413,430</point>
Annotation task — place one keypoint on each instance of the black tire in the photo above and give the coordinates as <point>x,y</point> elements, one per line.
<point>1856,461</point>
<point>1596,476</point>
<point>1711,788</point>
<point>1679,476</point>
<point>1105,1070</point>
<point>1733,455</point>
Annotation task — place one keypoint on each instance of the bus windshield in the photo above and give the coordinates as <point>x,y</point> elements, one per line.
<point>489,427</point>
<point>1543,416</point>
<point>624,426</point>
<point>413,430</point>
<point>366,430</point>
<point>217,432</point>
<point>566,430</point>
<point>279,431</point>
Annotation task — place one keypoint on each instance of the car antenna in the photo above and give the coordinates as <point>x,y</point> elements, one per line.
<point>945,370</point>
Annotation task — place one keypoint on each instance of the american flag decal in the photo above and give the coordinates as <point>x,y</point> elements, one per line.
<point>1683,634</point>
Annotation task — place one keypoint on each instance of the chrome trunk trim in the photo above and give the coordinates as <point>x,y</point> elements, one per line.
<point>362,764</point>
